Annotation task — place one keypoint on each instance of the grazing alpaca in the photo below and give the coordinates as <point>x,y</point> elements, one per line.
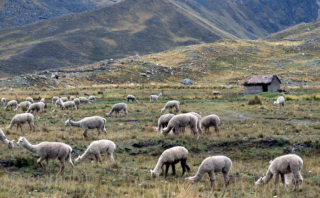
<point>212,165</point>
<point>47,150</point>
<point>283,165</point>
<point>171,157</point>
<point>97,148</point>
<point>280,101</point>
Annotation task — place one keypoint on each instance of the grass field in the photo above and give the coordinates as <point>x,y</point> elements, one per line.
<point>250,135</point>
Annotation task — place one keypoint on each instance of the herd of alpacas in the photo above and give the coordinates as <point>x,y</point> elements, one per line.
<point>287,166</point>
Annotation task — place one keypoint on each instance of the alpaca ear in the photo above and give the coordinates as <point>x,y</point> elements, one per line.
<point>270,161</point>
<point>151,171</point>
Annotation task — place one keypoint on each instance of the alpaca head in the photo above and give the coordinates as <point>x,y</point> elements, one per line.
<point>189,180</point>
<point>108,114</point>
<point>68,123</point>
<point>154,175</point>
<point>162,110</point>
<point>11,144</point>
<point>21,141</point>
<point>259,182</point>
<point>275,102</point>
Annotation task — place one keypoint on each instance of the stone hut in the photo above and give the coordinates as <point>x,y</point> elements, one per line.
<point>261,83</point>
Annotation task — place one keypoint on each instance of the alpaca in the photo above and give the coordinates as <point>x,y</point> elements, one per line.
<point>210,120</point>
<point>3,101</point>
<point>77,102</point>
<point>11,103</point>
<point>3,138</point>
<point>155,97</point>
<point>164,120</point>
<point>23,104</point>
<point>93,98</point>
<point>66,105</point>
<point>72,98</point>
<point>132,98</point>
<point>280,101</point>
<point>94,122</point>
<point>212,165</point>
<point>182,120</point>
<point>97,148</point>
<point>171,157</point>
<point>54,99</point>
<point>38,106</point>
<point>22,118</point>
<point>47,150</point>
<point>85,100</point>
<point>30,99</point>
<point>117,108</point>
<point>171,104</point>
<point>283,165</point>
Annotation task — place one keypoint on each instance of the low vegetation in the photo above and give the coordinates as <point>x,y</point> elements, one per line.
<point>250,135</point>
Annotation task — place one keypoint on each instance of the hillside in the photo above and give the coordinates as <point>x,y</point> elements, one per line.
<point>126,28</point>
<point>15,13</point>
<point>140,27</point>
<point>225,63</point>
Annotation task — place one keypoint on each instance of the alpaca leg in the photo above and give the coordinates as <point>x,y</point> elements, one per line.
<point>187,166</point>
<point>47,164</point>
<point>173,168</point>
<point>97,161</point>
<point>283,180</point>
<point>98,133</point>
<point>276,180</point>
<point>226,178</point>
<point>167,169</point>
<point>216,129</point>
<point>39,162</point>
<point>100,158</point>
<point>110,157</point>
<point>21,128</point>
<point>183,165</point>
<point>85,133</point>
<point>69,161</point>
<point>212,179</point>
<point>62,165</point>
<point>105,131</point>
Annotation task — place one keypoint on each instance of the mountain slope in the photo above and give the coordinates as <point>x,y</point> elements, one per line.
<point>126,28</point>
<point>15,13</point>
<point>141,27</point>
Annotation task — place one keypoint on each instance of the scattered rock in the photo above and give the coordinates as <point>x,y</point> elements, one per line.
<point>187,81</point>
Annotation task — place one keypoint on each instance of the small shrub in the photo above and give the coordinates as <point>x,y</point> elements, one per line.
<point>255,100</point>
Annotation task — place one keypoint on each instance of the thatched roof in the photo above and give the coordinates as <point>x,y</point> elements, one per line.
<point>260,79</point>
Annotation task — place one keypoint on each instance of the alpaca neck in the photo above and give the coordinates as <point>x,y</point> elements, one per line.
<point>84,156</point>
<point>4,140</point>
<point>268,177</point>
<point>75,124</point>
<point>198,176</point>
<point>158,167</point>
<point>30,147</point>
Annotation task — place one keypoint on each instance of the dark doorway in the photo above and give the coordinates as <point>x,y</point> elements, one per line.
<point>264,88</point>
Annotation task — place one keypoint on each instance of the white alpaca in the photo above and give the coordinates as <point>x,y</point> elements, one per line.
<point>132,98</point>
<point>94,122</point>
<point>155,97</point>
<point>22,118</point>
<point>180,121</point>
<point>210,120</point>
<point>164,120</point>
<point>30,99</point>
<point>171,157</point>
<point>54,99</point>
<point>3,138</point>
<point>23,104</point>
<point>171,104</point>
<point>3,101</point>
<point>11,104</point>
<point>97,148</point>
<point>117,108</point>
<point>38,106</point>
<point>283,165</point>
<point>49,150</point>
<point>66,105</point>
<point>280,101</point>
<point>212,165</point>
